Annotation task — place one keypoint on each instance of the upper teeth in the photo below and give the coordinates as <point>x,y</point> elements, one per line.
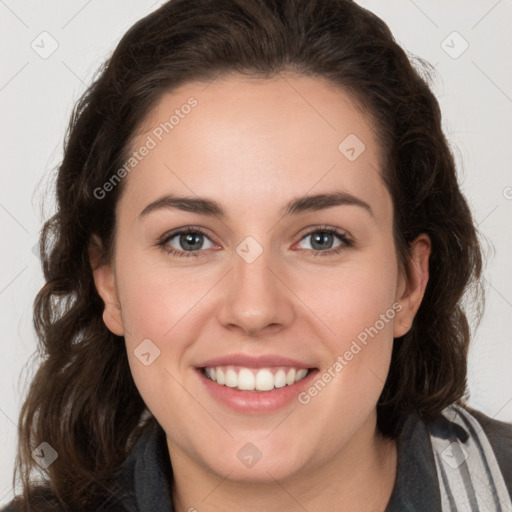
<point>249,379</point>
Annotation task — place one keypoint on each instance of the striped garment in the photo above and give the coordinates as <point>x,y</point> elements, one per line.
<point>468,472</point>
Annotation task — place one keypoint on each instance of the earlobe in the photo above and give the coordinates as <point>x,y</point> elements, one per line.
<point>105,282</point>
<point>414,285</point>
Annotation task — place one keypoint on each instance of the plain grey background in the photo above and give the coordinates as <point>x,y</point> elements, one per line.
<point>50,52</point>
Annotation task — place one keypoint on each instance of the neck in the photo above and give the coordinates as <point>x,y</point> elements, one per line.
<point>360,476</point>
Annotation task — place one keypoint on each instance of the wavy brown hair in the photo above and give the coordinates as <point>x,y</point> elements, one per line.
<point>83,400</point>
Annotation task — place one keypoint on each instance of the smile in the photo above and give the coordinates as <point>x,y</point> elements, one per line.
<point>254,379</point>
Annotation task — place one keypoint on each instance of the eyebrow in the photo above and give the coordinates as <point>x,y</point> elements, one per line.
<point>302,204</point>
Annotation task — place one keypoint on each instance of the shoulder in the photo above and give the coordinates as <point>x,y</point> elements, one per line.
<point>116,496</point>
<point>499,434</point>
<point>460,459</point>
<point>473,457</point>
<point>41,498</point>
<point>50,505</point>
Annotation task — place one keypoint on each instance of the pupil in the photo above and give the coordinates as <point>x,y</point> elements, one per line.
<point>320,238</point>
<point>189,240</point>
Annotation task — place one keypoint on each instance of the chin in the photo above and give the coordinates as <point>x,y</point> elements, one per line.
<point>258,461</point>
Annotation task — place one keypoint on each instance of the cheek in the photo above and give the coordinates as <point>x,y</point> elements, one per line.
<point>156,299</point>
<point>352,296</point>
<point>157,309</point>
<point>358,306</point>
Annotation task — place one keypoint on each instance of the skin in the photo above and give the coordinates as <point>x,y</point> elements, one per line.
<point>253,145</point>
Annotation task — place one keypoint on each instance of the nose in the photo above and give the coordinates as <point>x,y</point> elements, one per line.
<point>256,298</point>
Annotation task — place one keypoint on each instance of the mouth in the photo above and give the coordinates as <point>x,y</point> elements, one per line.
<point>255,385</point>
<point>254,379</point>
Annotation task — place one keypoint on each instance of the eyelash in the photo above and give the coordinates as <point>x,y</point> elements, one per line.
<point>195,254</point>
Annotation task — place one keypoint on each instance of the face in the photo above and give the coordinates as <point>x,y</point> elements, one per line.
<point>261,338</point>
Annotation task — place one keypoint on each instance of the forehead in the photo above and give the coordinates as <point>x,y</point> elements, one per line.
<point>255,142</point>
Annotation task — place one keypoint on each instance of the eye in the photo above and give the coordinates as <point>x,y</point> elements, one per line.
<point>187,242</point>
<point>323,238</point>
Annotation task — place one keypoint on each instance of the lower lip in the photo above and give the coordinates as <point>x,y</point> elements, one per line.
<point>256,402</point>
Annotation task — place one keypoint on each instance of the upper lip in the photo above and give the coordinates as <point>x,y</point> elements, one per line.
<point>247,361</point>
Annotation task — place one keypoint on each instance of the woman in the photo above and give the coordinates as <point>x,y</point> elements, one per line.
<point>204,351</point>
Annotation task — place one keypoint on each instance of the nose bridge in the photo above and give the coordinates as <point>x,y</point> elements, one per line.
<point>252,266</point>
<point>256,298</point>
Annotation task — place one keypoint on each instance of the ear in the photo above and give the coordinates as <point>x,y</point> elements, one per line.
<point>412,288</point>
<point>105,281</point>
